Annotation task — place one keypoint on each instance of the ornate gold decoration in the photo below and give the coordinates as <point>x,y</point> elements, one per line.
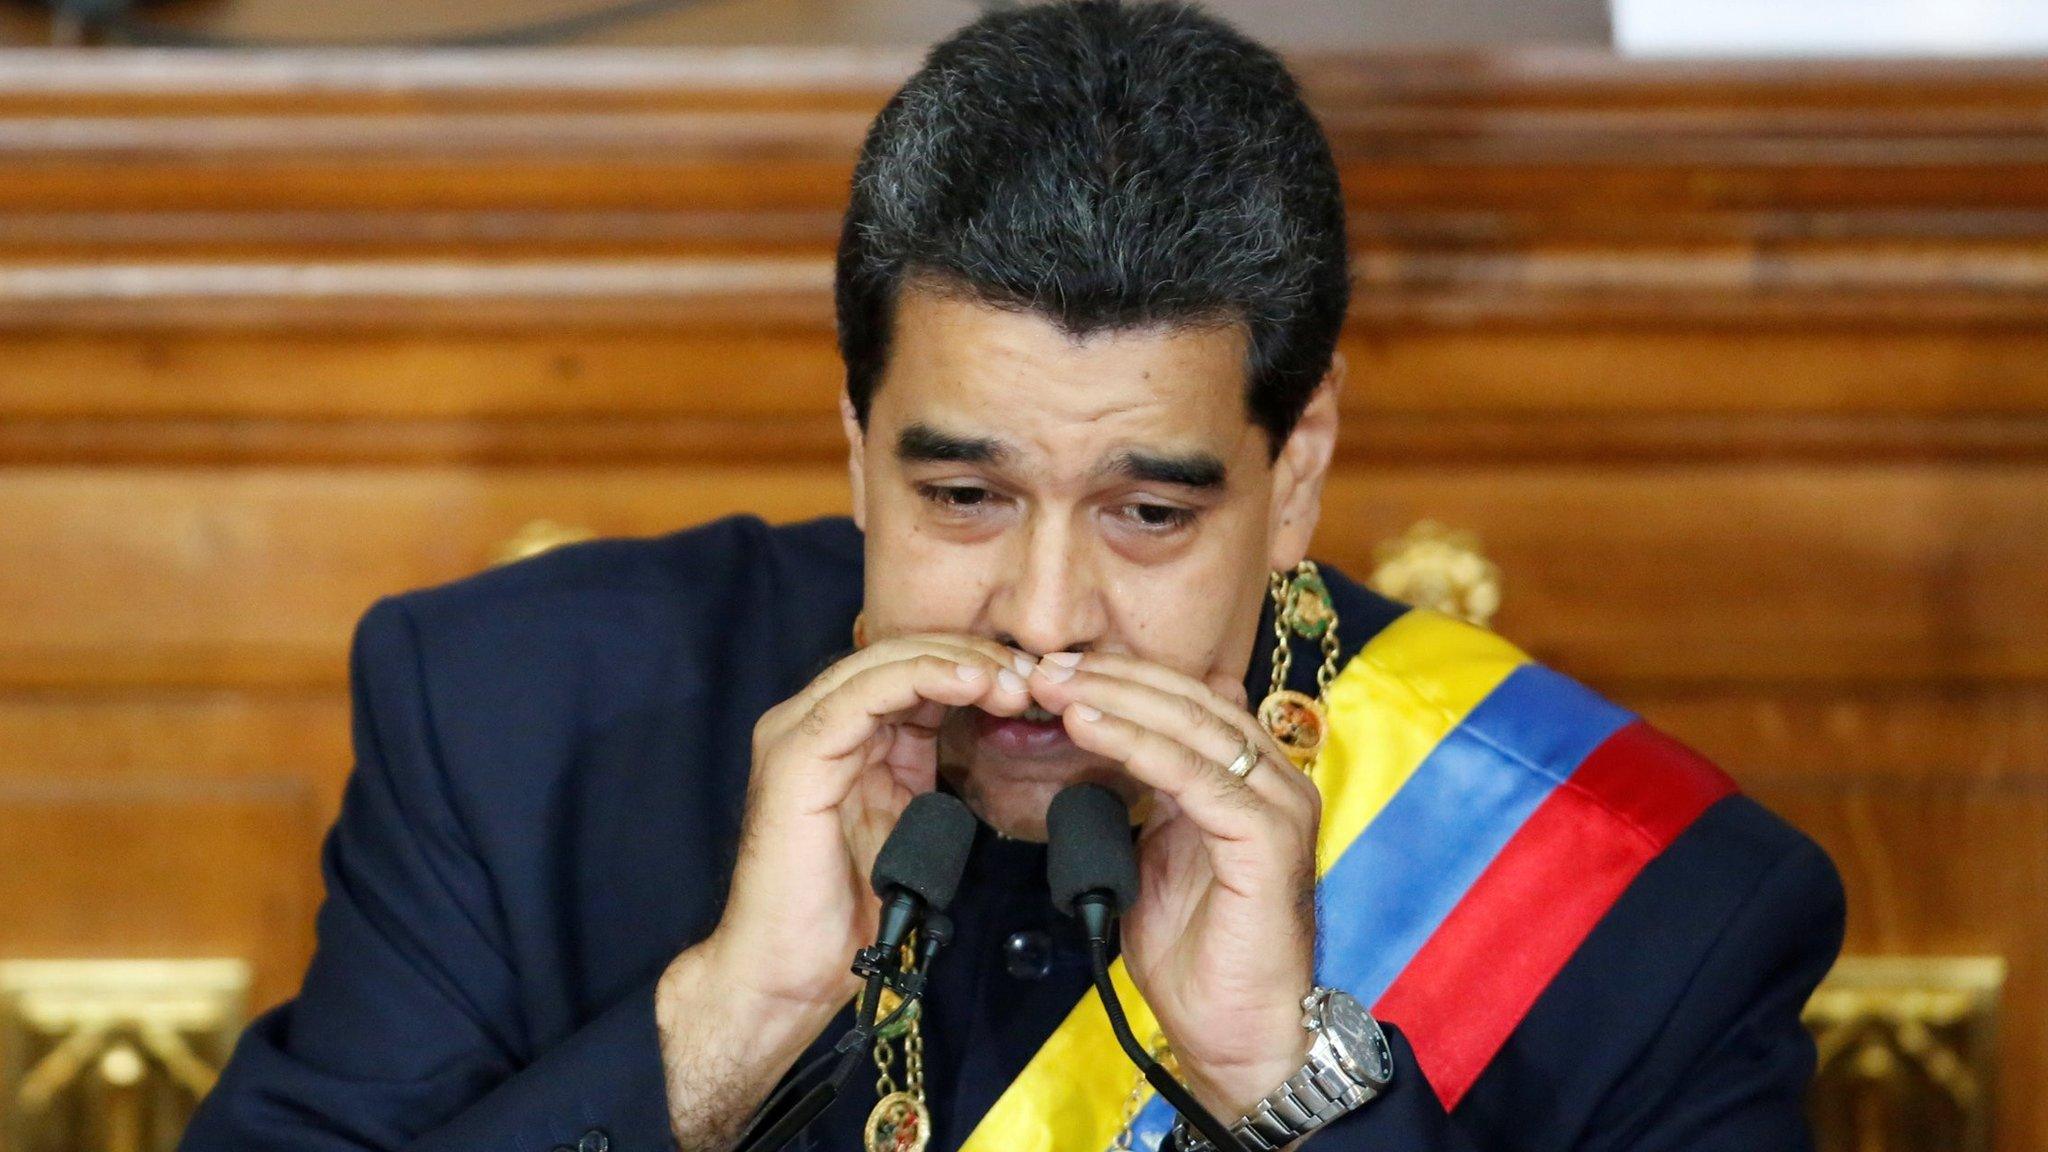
<point>112,1054</point>
<point>1296,722</point>
<point>890,1001</point>
<point>1906,1053</point>
<point>1438,568</point>
<point>538,536</point>
<point>1302,607</point>
<point>899,1123</point>
<point>901,1120</point>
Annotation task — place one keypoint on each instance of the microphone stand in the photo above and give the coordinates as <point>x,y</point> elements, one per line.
<point>879,964</point>
<point>916,874</point>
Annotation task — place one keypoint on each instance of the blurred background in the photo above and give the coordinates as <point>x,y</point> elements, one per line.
<point>1699,348</point>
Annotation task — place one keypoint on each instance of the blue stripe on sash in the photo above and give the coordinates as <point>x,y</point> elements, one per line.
<point>1404,873</point>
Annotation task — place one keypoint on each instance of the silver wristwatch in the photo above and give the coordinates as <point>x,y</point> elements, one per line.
<point>1349,1063</point>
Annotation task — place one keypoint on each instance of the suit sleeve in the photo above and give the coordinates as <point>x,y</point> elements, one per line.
<point>1727,1072</point>
<point>408,1032</point>
<point>1730,1069</point>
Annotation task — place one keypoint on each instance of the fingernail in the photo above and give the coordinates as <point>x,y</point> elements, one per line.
<point>1064,659</point>
<point>967,671</point>
<point>1025,664</point>
<point>1087,713</point>
<point>1053,673</point>
<point>1010,681</point>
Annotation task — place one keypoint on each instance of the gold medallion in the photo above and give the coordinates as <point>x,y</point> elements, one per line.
<point>1296,722</point>
<point>899,1123</point>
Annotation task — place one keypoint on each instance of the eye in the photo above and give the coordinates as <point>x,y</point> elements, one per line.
<point>954,497</point>
<point>1161,518</point>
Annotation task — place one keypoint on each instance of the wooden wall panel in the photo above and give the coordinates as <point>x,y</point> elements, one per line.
<point>730,363</point>
<point>1914,890</point>
<point>1739,371</point>
<point>756,390</point>
<point>181,870</point>
<point>1911,574</point>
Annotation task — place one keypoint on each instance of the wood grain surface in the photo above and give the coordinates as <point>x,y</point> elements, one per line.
<point>1739,372</point>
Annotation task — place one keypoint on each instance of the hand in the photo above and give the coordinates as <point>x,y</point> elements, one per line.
<point>1222,939</point>
<point>833,768</point>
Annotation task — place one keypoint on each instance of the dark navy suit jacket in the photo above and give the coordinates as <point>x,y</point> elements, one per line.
<point>551,760</point>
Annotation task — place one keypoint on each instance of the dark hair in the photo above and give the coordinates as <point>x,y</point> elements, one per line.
<point>1106,165</point>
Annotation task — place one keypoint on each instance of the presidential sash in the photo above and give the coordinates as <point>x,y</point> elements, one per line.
<point>1480,815</point>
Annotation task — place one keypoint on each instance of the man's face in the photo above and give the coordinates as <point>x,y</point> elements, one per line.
<point>1104,495</point>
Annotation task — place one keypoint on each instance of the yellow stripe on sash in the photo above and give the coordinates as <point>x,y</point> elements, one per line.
<point>1389,707</point>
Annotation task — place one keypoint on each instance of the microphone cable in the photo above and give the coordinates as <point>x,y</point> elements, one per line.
<point>1092,872</point>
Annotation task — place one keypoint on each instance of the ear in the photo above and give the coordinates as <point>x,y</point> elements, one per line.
<point>856,460</point>
<point>1299,472</point>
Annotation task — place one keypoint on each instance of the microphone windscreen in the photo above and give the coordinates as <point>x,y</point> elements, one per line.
<point>927,851</point>
<point>1088,834</point>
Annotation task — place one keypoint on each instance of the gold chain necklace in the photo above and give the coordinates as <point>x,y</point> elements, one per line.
<point>901,1120</point>
<point>1301,607</point>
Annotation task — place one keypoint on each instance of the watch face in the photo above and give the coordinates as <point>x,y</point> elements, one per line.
<point>1361,1046</point>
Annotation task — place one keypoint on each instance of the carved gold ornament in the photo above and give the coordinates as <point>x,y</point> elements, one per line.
<point>112,1054</point>
<point>1441,569</point>
<point>1906,1053</point>
<point>537,536</point>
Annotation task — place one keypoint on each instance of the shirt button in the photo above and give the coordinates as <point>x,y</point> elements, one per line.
<point>594,1141</point>
<point>1028,954</point>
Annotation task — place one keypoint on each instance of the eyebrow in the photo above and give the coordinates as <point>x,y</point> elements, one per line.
<point>1199,470</point>
<point>922,443</point>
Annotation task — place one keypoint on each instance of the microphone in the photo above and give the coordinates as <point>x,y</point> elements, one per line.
<point>1090,864</point>
<point>1092,869</point>
<point>920,864</point>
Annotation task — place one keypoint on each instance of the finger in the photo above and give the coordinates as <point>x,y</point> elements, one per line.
<point>896,647</point>
<point>1147,672</point>
<point>992,658</point>
<point>1223,695</point>
<point>1190,714</point>
<point>1219,804</point>
<point>834,738</point>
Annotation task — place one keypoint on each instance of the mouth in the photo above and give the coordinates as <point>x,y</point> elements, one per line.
<point>1033,734</point>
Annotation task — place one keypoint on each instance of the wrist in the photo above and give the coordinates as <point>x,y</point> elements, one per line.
<point>1348,1063</point>
<point>703,1003</point>
<point>1231,1092</point>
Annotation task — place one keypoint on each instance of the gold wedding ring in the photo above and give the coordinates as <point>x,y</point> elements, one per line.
<point>1246,760</point>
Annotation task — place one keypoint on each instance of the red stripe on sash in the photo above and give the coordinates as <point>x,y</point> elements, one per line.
<point>1473,982</point>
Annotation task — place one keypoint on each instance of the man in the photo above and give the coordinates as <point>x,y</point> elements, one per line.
<point>602,865</point>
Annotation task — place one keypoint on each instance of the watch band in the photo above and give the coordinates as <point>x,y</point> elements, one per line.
<point>1320,1092</point>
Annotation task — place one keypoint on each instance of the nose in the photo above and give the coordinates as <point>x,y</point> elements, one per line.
<point>1048,598</point>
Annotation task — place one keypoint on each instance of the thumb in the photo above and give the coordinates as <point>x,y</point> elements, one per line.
<point>1231,690</point>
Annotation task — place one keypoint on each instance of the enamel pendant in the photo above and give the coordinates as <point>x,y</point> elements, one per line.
<point>1296,722</point>
<point>899,1123</point>
<point>890,1001</point>
<point>1309,611</point>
